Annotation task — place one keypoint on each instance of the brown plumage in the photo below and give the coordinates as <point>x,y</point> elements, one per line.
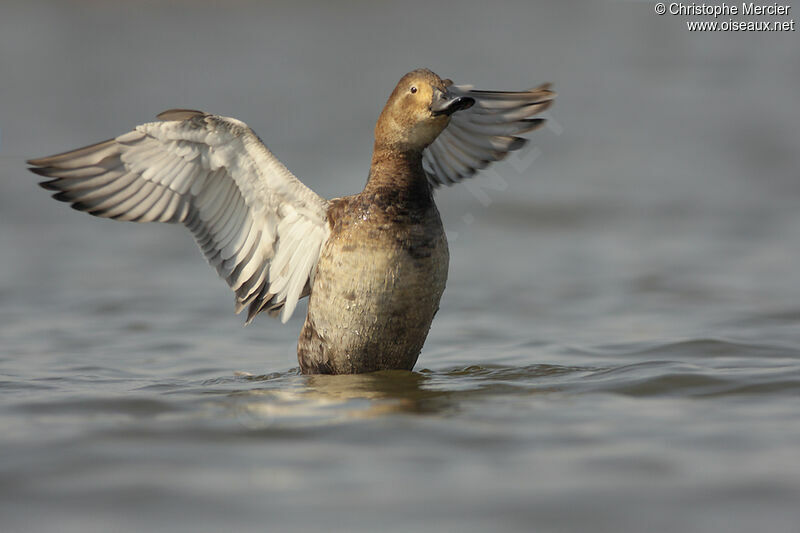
<point>374,264</point>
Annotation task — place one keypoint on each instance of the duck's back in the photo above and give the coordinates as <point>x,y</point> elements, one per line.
<point>378,283</point>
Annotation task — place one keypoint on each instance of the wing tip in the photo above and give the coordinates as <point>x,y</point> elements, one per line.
<point>517,143</point>
<point>534,124</point>
<point>50,185</point>
<point>546,87</point>
<point>44,171</point>
<point>544,105</point>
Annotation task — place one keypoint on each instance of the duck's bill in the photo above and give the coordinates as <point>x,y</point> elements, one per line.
<point>445,105</point>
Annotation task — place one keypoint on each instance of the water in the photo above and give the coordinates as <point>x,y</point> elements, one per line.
<point>618,347</point>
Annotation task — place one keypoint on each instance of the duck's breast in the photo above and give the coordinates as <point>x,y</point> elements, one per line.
<point>377,287</point>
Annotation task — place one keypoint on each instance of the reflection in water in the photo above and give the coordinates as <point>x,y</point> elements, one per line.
<point>298,400</point>
<point>397,390</point>
<point>290,399</point>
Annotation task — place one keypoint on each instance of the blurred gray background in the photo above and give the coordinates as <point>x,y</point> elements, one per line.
<point>617,348</point>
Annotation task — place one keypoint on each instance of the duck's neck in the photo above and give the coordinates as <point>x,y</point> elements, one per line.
<point>398,174</point>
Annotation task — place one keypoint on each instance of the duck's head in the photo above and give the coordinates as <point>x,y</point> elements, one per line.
<point>417,111</point>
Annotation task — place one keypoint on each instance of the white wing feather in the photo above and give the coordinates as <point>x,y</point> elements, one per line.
<point>256,223</point>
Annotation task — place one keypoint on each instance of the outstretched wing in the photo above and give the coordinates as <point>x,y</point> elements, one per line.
<point>485,132</point>
<point>256,223</point>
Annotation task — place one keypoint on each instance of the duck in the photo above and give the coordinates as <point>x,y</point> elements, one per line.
<point>374,265</point>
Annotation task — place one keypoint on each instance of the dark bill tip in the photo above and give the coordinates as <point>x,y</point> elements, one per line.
<point>448,106</point>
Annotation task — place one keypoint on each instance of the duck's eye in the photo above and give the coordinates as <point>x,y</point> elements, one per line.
<point>413,89</point>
